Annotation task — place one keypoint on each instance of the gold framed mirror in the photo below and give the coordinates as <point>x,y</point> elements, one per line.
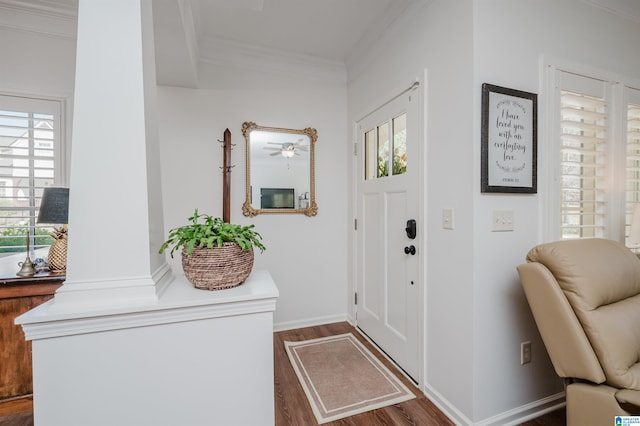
<point>280,172</point>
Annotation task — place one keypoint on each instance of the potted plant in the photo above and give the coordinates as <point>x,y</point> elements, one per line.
<point>215,254</point>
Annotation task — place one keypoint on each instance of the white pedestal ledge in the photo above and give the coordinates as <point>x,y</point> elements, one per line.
<point>194,357</point>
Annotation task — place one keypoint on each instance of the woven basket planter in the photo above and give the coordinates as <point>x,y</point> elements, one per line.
<point>217,268</point>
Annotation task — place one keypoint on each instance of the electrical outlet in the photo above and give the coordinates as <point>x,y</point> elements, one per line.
<point>525,352</point>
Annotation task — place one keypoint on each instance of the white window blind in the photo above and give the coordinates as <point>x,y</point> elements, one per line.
<point>632,154</point>
<point>29,162</point>
<point>583,156</point>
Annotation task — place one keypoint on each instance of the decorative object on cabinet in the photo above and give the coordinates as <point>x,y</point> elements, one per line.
<point>54,209</point>
<point>27,267</point>
<point>215,254</point>
<point>509,140</point>
<point>279,161</point>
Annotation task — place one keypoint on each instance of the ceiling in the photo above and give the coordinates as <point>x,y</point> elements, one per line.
<point>327,29</point>
<point>311,34</point>
<point>314,34</point>
<point>317,32</point>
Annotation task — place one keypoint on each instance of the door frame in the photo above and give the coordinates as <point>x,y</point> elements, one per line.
<point>420,92</point>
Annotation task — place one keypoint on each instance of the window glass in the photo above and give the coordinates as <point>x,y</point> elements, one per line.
<point>383,150</point>
<point>400,144</point>
<point>29,141</point>
<point>370,155</point>
<point>386,148</point>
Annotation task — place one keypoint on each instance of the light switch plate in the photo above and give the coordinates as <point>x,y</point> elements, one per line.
<point>502,221</point>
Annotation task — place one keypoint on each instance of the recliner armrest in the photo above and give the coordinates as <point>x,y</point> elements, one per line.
<point>563,336</point>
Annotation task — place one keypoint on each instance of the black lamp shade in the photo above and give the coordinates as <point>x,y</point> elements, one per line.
<point>54,206</point>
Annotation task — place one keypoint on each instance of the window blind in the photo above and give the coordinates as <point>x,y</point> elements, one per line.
<point>29,145</point>
<point>632,154</point>
<point>583,157</point>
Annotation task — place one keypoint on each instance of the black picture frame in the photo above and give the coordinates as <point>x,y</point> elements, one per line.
<point>509,140</point>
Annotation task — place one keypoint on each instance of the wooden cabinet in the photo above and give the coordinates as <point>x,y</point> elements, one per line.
<point>17,296</point>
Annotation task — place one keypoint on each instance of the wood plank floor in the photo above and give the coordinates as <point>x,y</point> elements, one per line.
<point>17,412</point>
<point>292,407</point>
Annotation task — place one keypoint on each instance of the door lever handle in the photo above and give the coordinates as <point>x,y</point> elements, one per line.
<point>410,250</point>
<point>411,229</point>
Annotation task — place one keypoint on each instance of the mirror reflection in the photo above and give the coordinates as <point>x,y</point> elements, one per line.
<point>280,170</point>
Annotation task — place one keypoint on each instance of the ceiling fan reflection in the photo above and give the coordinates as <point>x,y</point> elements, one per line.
<point>287,149</point>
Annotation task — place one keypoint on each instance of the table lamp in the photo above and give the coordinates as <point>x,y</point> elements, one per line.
<point>54,209</point>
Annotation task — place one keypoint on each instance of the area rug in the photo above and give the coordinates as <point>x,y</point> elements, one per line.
<point>341,377</point>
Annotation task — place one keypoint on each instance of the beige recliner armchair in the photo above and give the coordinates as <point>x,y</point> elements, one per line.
<point>585,298</point>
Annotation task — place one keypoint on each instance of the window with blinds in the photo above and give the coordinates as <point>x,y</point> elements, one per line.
<point>632,194</point>
<point>583,164</point>
<point>598,159</point>
<point>29,162</point>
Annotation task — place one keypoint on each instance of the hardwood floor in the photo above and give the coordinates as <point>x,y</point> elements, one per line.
<point>293,409</point>
<point>17,412</point>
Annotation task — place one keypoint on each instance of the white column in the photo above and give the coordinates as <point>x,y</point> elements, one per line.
<point>115,208</point>
<point>117,344</point>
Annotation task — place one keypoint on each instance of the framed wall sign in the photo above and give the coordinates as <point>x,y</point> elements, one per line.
<point>509,140</point>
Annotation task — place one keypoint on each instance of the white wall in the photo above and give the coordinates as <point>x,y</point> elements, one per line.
<point>476,313</point>
<point>306,256</point>
<point>35,63</point>
<point>511,38</point>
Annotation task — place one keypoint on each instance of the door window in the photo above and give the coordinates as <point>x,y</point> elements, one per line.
<point>385,155</point>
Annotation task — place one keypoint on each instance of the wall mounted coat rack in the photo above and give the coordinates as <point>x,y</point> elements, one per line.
<point>226,177</point>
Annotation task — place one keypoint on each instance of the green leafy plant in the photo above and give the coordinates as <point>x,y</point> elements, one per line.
<point>212,232</point>
<point>14,239</point>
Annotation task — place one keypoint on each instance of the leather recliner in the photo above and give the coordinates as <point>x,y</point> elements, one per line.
<point>585,298</point>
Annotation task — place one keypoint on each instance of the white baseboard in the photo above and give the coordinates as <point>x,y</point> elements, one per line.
<point>512,417</point>
<point>350,320</point>
<point>309,322</point>
<point>526,412</point>
<point>446,407</point>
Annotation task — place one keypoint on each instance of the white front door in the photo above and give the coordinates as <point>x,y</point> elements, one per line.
<point>388,179</point>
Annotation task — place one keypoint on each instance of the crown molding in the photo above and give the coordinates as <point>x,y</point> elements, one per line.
<point>46,17</point>
<point>222,52</point>
<point>56,9</point>
<point>624,9</point>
